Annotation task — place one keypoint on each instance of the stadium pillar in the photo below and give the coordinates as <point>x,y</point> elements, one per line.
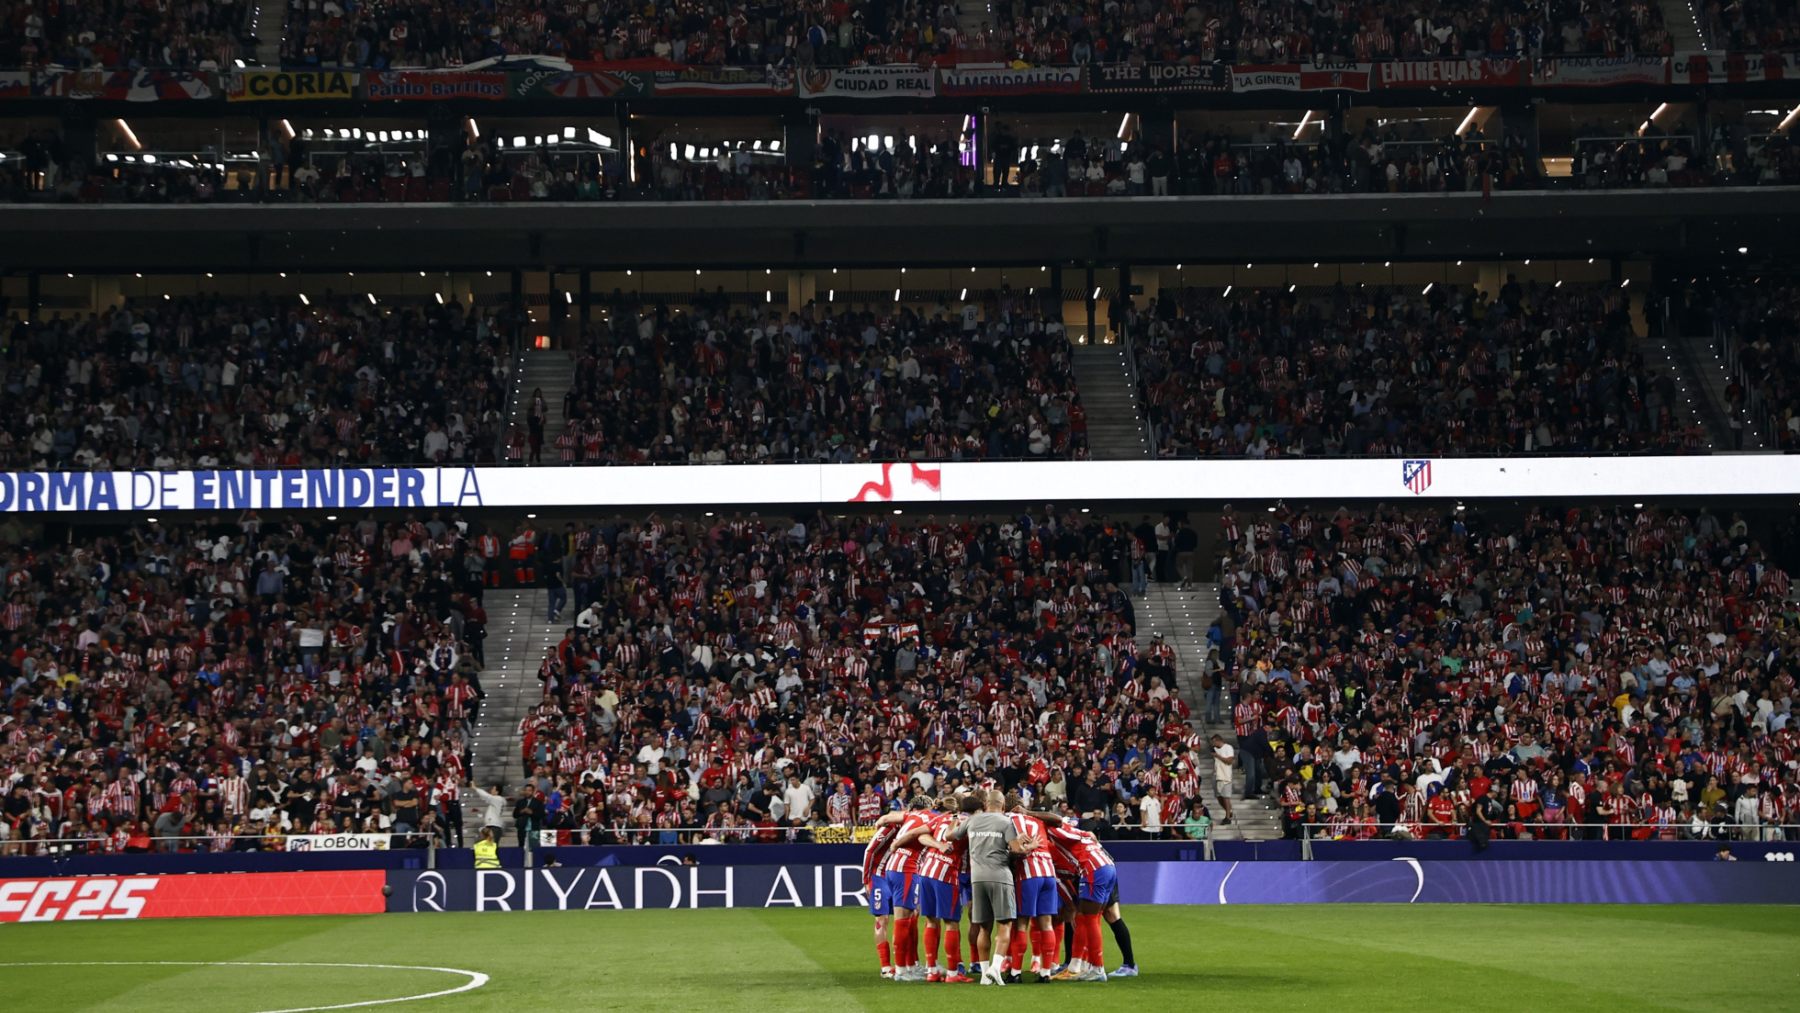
<point>1156,128</point>
<point>1523,121</point>
<point>1087,294</point>
<point>81,137</point>
<point>799,132</point>
<point>620,172</point>
<point>264,142</point>
<point>519,317</point>
<point>587,294</point>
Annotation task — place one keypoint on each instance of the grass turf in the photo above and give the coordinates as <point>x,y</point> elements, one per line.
<point>1237,958</point>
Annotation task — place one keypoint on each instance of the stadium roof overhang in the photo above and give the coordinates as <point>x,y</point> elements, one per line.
<point>228,237</point>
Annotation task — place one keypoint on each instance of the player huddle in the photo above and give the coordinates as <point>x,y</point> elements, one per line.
<point>1030,881</point>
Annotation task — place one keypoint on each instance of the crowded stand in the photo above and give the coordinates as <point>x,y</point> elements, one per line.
<point>1757,323</point>
<point>1535,369</point>
<point>796,36</point>
<point>831,382</point>
<point>1755,26</point>
<point>1451,674</point>
<point>193,35</point>
<point>221,684</point>
<point>261,382</point>
<point>753,678</point>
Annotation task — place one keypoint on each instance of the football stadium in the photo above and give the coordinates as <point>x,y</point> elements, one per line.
<point>714,506</point>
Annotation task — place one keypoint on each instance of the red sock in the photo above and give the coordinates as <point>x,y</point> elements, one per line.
<point>953,946</point>
<point>909,942</point>
<point>931,946</point>
<point>1015,954</point>
<point>1058,929</point>
<point>1043,941</point>
<point>1096,943</point>
<point>881,950</point>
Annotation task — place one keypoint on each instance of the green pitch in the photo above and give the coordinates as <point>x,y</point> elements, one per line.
<point>1234,958</point>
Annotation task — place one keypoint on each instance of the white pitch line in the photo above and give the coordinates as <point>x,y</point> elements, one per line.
<point>476,978</point>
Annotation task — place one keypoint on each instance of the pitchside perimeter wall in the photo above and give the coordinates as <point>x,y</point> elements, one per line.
<point>128,887</point>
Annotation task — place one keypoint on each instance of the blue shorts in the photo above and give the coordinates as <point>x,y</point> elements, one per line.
<point>939,900</point>
<point>1102,887</point>
<point>903,890</point>
<point>880,905</point>
<point>1037,896</point>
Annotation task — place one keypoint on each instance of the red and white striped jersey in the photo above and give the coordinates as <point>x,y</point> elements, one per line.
<point>1077,850</point>
<point>875,852</point>
<point>943,866</point>
<point>1035,864</point>
<point>905,858</point>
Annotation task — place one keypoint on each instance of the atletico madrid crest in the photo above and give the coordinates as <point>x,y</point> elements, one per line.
<point>1416,475</point>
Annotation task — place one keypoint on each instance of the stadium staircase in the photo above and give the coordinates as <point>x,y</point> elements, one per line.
<point>1664,355</point>
<point>551,371</point>
<point>519,632</point>
<point>1183,617</point>
<point>1682,19</point>
<point>1115,421</point>
<point>972,14</point>
<point>268,21</point>
<point>1711,375</point>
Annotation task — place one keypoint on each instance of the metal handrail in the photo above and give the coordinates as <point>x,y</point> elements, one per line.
<point>1728,346</point>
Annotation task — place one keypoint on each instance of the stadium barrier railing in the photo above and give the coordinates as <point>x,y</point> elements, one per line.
<point>1552,833</point>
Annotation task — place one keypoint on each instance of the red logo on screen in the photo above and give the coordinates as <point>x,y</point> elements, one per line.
<point>883,491</point>
<point>74,900</point>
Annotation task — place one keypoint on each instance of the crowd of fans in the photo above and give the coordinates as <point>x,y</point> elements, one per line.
<point>794,35</point>
<point>1756,324</point>
<point>830,382</point>
<point>1377,371</point>
<point>218,382</point>
<point>1752,26</point>
<point>748,678</point>
<point>1449,674</point>
<point>222,684</point>
<point>205,35</point>
<point>209,34</point>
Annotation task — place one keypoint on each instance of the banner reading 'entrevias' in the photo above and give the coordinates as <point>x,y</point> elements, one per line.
<point>1478,73</point>
<point>209,895</point>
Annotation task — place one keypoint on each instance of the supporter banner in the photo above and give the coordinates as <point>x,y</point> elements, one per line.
<point>949,482</point>
<point>570,84</point>
<point>1602,71</point>
<point>753,82</point>
<point>1480,73</point>
<point>1126,77</point>
<point>422,85</point>
<point>206,895</point>
<point>338,842</point>
<point>1008,81</point>
<point>15,84</point>
<point>126,85</point>
<point>867,82</point>
<point>1320,75</point>
<point>1732,68</point>
<point>262,85</point>
<point>1406,880</point>
<point>635,888</point>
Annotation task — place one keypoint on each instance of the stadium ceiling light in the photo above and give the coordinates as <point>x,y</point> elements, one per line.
<point>1291,289</point>
<point>1788,120</point>
<point>440,297</point>
<point>1428,287</point>
<point>1227,292</point>
<point>372,301</point>
<point>1467,120</point>
<point>1743,249</point>
<point>965,294</point>
<point>1304,120</point>
<point>130,137</point>
<point>288,128</point>
<point>474,128</point>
